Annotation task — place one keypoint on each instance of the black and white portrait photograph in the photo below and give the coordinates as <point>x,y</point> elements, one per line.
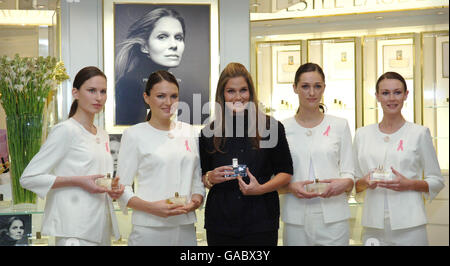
<point>150,37</point>
<point>15,229</point>
<point>114,147</point>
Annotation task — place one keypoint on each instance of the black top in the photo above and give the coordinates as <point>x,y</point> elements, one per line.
<point>228,211</point>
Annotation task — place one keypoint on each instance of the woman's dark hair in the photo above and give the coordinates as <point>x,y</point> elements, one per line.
<point>391,75</point>
<point>83,75</point>
<point>155,78</point>
<point>310,67</point>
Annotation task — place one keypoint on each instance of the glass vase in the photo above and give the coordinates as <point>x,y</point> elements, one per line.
<point>24,141</point>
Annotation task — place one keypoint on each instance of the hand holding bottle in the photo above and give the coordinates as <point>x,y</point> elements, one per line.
<point>116,188</point>
<point>299,190</point>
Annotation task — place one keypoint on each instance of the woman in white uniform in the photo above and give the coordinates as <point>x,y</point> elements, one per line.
<point>163,156</point>
<point>321,148</point>
<point>75,154</point>
<point>394,212</point>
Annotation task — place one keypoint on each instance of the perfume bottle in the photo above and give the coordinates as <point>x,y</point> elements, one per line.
<point>38,240</point>
<point>238,169</point>
<point>4,203</point>
<point>316,187</point>
<point>380,174</point>
<point>177,199</point>
<point>104,181</point>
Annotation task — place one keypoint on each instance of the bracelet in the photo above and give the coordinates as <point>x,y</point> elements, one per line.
<point>208,183</point>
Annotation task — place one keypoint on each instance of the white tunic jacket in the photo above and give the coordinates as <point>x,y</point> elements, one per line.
<point>163,163</point>
<point>329,146</point>
<point>70,150</point>
<point>410,151</point>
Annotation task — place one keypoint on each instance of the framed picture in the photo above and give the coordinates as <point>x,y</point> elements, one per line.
<point>339,60</point>
<point>287,64</point>
<point>445,60</point>
<point>15,229</point>
<point>114,147</point>
<point>399,58</point>
<point>141,37</point>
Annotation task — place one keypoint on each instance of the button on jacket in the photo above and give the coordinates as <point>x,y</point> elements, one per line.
<point>228,211</point>
<point>71,150</point>
<point>163,162</point>
<point>329,146</point>
<point>410,151</point>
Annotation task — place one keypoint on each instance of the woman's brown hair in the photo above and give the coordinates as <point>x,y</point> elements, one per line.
<point>234,70</point>
<point>391,75</point>
<point>81,77</point>
<point>155,78</point>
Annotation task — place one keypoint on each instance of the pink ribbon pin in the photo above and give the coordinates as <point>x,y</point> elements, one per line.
<point>327,131</point>
<point>107,146</point>
<point>187,145</point>
<point>400,145</point>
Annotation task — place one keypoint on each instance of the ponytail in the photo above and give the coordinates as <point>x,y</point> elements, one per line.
<point>83,75</point>
<point>73,108</point>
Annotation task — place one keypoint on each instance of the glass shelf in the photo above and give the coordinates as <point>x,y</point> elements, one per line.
<point>435,106</point>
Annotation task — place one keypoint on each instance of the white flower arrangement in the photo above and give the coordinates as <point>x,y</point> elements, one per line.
<point>25,84</point>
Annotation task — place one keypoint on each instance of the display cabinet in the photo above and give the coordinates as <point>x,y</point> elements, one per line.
<point>382,54</point>
<point>336,56</point>
<point>276,65</point>
<point>435,83</point>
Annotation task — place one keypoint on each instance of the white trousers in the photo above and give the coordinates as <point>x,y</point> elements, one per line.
<point>314,232</point>
<point>414,236</point>
<point>73,241</point>
<point>182,235</point>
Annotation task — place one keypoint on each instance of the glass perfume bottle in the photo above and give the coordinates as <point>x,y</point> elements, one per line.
<point>177,199</point>
<point>380,174</point>
<point>316,187</point>
<point>4,204</point>
<point>38,240</point>
<point>238,169</point>
<point>104,181</point>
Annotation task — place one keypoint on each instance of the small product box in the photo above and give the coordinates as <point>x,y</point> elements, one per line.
<point>238,169</point>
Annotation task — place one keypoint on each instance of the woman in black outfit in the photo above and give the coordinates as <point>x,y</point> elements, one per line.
<point>243,210</point>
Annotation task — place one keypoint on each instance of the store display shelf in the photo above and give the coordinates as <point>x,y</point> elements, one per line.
<point>435,107</point>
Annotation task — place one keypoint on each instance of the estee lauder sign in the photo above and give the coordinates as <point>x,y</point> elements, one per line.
<point>312,8</point>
